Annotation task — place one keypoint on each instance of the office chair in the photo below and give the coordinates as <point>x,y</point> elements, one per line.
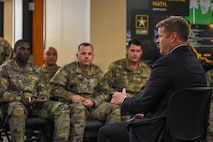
<point>91,130</point>
<point>92,126</point>
<point>4,128</point>
<point>37,129</point>
<point>186,120</point>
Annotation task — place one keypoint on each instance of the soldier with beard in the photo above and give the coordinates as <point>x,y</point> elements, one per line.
<point>78,85</point>
<point>130,73</point>
<point>49,67</point>
<point>25,94</point>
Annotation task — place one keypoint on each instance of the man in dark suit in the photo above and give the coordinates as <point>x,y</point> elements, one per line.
<point>177,68</point>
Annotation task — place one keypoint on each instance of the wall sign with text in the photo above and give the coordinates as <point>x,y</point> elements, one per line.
<point>170,7</point>
<point>141,23</point>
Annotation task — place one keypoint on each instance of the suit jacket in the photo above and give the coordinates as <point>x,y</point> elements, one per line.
<point>179,69</point>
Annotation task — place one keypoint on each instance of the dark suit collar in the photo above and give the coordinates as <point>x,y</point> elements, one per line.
<point>177,47</point>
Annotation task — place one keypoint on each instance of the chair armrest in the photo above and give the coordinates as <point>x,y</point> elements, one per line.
<point>145,120</point>
<point>147,129</point>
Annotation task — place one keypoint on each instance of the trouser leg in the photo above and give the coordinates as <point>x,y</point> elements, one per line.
<point>78,122</point>
<point>116,132</point>
<point>59,113</point>
<point>17,115</point>
<point>107,112</point>
<point>62,123</point>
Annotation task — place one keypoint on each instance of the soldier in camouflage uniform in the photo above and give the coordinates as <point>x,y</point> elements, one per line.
<point>77,84</point>
<point>209,79</point>
<point>130,73</point>
<point>26,95</point>
<point>5,50</point>
<point>49,67</point>
<point>5,55</point>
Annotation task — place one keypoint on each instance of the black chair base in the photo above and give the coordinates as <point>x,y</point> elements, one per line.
<point>38,129</point>
<point>91,130</point>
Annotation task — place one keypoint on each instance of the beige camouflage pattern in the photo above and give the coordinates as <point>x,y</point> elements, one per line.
<point>47,74</point>
<point>17,82</point>
<point>120,75</point>
<point>5,50</point>
<point>209,79</point>
<point>70,80</point>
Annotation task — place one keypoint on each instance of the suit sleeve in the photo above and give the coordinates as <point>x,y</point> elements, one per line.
<point>151,96</point>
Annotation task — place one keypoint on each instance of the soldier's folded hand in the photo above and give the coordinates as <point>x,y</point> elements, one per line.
<point>25,101</point>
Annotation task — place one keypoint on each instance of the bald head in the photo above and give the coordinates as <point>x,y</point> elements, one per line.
<point>50,57</point>
<point>49,49</point>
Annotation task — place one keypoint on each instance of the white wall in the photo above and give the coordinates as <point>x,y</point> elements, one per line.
<point>70,22</point>
<point>17,20</point>
<point>67,25</point>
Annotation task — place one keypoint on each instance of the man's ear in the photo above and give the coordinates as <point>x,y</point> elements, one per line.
<point>127,50</point>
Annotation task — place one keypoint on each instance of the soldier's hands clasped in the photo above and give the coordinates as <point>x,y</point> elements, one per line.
<point>25,101</point>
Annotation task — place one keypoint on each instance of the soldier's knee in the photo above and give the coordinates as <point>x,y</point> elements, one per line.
<point>58,108</point>
<point>17,110</point>
<point>78,109</point>
<point>117,107</point>
<point>64,108</point>
<point>112,108</point>
<point>78,106</point>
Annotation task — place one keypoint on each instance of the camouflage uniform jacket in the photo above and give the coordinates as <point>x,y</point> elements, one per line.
<point>5,50</point>
<point>17,82</point>
<point>47,74</point>
<point>209,77</point>
<point>70,80</point>
<point>120,75</point>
